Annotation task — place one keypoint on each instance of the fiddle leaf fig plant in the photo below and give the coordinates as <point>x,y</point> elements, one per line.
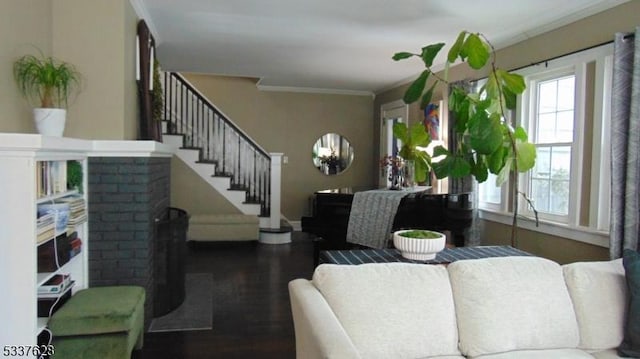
<point>412,138</point>
<point>489,141</point>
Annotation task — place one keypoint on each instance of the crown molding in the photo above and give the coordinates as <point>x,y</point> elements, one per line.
<point>313,90</point>
<point>142,12</point>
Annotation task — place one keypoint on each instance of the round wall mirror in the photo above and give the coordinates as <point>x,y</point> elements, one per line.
<point>332,154</point>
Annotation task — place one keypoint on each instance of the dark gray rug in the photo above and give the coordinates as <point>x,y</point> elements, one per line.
<point>196,312</point>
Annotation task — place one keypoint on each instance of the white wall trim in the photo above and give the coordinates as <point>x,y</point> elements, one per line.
<point>580,234</point>
<point>327,91</point>
<point>131,149</point>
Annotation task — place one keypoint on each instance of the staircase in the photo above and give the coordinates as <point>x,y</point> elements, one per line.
<point>223,155</point>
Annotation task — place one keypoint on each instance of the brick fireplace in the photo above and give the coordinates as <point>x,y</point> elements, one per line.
<point>127,193</point>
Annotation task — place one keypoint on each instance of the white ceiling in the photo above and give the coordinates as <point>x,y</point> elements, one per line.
<point>343,45</point>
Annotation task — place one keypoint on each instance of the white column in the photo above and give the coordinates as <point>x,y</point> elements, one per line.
<point>276,189</point>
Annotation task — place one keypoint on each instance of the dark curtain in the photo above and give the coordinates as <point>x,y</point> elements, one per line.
<point>148,129</point>
<point>625,144</point>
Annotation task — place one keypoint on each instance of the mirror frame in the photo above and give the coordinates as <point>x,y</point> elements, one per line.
<point>332,154</point>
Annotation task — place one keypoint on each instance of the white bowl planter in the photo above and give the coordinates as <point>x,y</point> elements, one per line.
<point>50,121</point>
<point>420,249</point>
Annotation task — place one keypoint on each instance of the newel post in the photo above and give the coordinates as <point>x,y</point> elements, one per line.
<point>276,189</point>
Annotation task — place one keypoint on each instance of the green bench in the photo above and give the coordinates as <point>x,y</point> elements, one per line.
<point>99,322</point>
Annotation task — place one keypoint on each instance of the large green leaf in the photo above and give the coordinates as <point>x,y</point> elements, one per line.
<point>426,97</point>
<point>510,98</point>
<point>495,160</point>
<point>440,151</point>
<point>402,55</point>
<point>454,51</point>
<point>476,51</point>
<point>419,135</point>
<point>520,134</point>
<point>422,167</point>
<point>452,166</point>
<point>526,157</point>
<point>430,52</point>
<point>503,175</point>
<point>485,133</point>
<point>415,90</point>
<point>514,82</point>
<point>479,170</point>
<point>400,131</point>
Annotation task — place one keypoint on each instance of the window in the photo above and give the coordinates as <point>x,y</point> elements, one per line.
<point>551,130</point>
<point>565,110</point>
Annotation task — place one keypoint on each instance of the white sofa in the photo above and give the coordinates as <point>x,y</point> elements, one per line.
<point>511,307</point>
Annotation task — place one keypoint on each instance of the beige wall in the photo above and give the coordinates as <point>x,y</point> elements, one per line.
<point>291,123</point>
<point>193,194</point>
<point>98,38</point>
<point>23,25</point>
<point>582,34</point>
<point>559,249</point>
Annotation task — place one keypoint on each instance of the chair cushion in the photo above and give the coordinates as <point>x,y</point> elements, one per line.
<point>99,310</point>
<point>392,310</point>
<point>224,219</point>
<point>512,303</point>
<point>630,346</point>
<point>599,295</point>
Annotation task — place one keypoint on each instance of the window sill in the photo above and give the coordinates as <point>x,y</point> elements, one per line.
<point>580,234</point>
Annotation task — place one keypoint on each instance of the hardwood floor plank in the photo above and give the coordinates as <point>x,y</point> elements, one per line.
<point>251,309</point>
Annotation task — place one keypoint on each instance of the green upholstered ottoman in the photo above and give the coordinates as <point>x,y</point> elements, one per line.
<point>100,322</point>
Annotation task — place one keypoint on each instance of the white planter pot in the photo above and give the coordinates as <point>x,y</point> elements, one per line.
<point>50,121</point>
<point>420,249</point>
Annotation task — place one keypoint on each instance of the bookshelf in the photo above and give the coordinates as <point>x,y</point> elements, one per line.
<point>32,177</point>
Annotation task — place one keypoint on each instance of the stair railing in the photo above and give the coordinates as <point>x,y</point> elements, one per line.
<point>220,141</point>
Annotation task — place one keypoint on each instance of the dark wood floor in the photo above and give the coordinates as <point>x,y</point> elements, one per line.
<point>251,310</point>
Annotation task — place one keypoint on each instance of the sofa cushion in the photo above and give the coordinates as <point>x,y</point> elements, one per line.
<point>392,310</point>
<point>599,295</point>
<point>540,354</point>
<point>512,303</point>
<point>631,344</point>
<point>605,354</point>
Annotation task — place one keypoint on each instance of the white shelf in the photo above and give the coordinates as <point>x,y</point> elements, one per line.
<point>20,157</point>
<point>53,197</point>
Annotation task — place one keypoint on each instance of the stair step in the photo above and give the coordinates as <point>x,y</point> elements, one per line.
<point>211,162</point>
<point>238,188</point>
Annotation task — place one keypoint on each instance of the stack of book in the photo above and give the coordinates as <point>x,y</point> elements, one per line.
<point>51,177</point>
<point>75,245</point>
<point>46,227</point>
<point>53,294</point>
<point>77,208</point>
<point>55,286</point>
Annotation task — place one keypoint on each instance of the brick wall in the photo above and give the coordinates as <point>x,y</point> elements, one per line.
<point>126,194</point>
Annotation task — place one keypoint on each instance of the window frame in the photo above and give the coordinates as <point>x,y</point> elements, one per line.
<point>597,229</point>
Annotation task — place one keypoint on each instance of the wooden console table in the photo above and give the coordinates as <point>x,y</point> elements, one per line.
<point>447,255</point>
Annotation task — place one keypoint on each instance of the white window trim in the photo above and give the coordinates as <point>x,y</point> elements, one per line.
<point>600,171</point>
<point>528,106</point>
<point>580,234</point>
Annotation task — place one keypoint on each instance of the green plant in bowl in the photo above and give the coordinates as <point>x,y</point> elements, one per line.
<point>420,233</point>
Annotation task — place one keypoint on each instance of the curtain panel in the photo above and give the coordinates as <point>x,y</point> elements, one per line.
<point>625,144</point>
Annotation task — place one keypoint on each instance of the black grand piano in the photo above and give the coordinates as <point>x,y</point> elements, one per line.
<point>428,209</point>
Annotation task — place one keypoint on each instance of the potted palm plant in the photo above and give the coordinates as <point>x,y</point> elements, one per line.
<point>48,83</point>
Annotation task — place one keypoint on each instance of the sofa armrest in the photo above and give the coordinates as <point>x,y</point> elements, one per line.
<point>318,332</point>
